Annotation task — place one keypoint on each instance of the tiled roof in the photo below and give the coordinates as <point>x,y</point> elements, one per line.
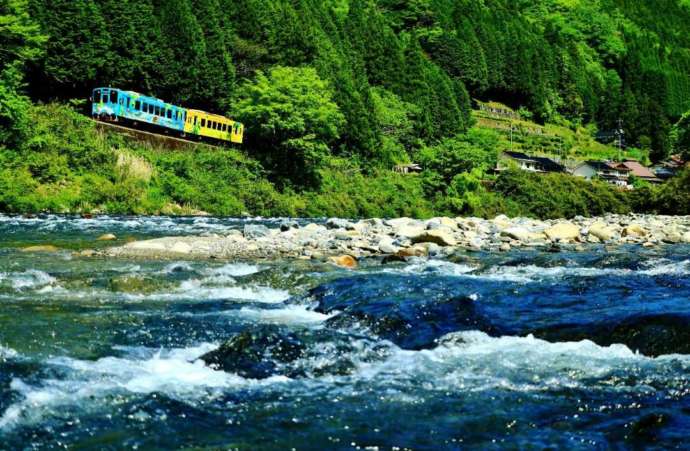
<point>638,170</point>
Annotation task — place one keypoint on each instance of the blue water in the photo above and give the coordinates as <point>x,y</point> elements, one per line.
<point>527,349</point>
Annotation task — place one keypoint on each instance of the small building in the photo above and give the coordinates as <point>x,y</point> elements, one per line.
<point>669,167</point>
<point>608,171</point>
<point>531,163</point>
<point>641,172</point>
<point>411,168</point>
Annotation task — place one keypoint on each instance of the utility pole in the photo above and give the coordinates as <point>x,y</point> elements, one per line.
<point>619,134</point>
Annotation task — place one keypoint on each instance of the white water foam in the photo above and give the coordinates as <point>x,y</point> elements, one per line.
<point>439,267</point>
<point>7,353</point>
<point>474,361</point>
<point>234,270</point>
<point>533,273</point>
<point>176,372</point>
<point>661,267</point>
<point>291,314</point>
<point>30,279</point>
<point>200,290</point>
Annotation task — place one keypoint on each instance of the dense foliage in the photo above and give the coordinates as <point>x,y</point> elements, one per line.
<point>594,61</point>
<point>334,93</point>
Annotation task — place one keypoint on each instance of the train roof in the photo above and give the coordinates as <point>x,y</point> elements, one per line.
<point>192,110</point>
<point>137,94</point>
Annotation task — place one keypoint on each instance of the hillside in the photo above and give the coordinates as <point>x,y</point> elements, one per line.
<point>331,88</point>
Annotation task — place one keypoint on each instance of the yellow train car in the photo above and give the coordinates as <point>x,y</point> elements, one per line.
<point>213,126</point>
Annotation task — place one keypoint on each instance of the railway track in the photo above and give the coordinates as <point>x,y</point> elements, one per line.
<point>174,142</point>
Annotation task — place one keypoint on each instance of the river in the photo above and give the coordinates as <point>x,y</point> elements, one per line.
<point>525,349</point>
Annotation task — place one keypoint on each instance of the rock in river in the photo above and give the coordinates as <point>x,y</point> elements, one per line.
<point>634,230</point>
<point>563,231</point>
<point>601,231</point>
<point>41,248</point>
<point>345,261</point>
<point>436,236</point>
<point>255,353</point>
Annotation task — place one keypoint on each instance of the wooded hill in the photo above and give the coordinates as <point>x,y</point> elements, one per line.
<point>372,82</point>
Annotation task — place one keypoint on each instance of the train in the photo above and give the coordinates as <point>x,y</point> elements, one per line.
<point>117,105</point>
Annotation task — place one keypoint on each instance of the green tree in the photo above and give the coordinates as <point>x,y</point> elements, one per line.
<point>78,49</point>
<point>218,73</point>
<point>133,60</point>
<point>20,42</point>
<point>681,136</point>
<point>291,121</point>
<point>183,53</point>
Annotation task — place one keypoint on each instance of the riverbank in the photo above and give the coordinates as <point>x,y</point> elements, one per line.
<point>344,241</point>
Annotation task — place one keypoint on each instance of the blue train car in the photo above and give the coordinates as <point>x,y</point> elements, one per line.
<point>118,105</point>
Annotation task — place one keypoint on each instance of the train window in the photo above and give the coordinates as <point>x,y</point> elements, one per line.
<point>169,114</point>
<point>157,110</point>
<point>113,96</point>
<point>137,105</point>
<point>203,122</point>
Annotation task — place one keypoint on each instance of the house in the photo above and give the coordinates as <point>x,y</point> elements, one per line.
<point>411,168</point>
<point>531,163</point>
<point>611,172</point>
<point>641,172</point>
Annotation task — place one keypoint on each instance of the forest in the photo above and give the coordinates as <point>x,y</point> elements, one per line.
<point>332,88</point>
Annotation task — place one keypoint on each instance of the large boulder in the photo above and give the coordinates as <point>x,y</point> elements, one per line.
<point>672,235</point>
<point>344,261</point>
<point>106,237</point>
<point>417,250</point>
<point>387,246</point>
<point>517,233</point>
<point>397,309</point>
<point>408,230</point>
<point>686,237</point>
<point>436,236</point>
<point>651,335</point>
<point>634,230</point>
<point>563,231</point>
<point>256,353</point>
<point>602,231</point>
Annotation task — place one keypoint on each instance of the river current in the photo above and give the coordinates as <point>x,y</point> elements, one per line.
<point>525,349</point>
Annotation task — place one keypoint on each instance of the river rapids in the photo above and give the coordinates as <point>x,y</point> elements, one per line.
<point>525,349</point>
